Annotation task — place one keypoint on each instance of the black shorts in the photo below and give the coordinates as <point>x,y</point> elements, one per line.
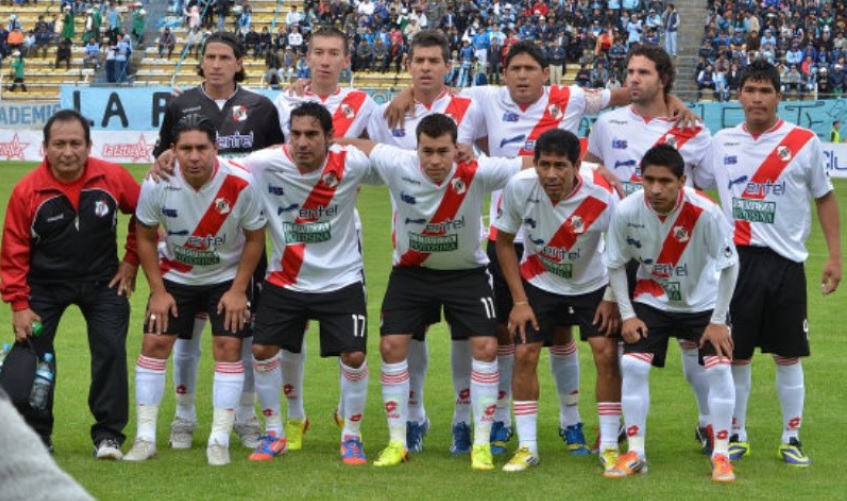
<point>662,325</point>
<point>194,299</point>
<point>342,315</point>
<point>414,293</point>
<point>502,294</point>
<point>553,310</point>
<point>430,318</point>
<point>769,306</point>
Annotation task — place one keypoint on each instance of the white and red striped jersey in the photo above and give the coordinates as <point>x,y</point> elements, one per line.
<point>621,137</point>
<point>204,228</point>
<point>311,217</point>
<point>512,129</point>
<point>563,244</point>
<point>679,253</point>
<point>351,110</point>
<point>765,183</point>
<point>464,111</point>
<point>438,226</point>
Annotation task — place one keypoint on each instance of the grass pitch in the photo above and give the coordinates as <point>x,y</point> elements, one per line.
<point>677,467</point>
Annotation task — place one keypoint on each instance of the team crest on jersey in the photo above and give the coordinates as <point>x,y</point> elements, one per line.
<point>577,224</point>
<point>680,234</point>
<point>222,206</point>
<point>554,111</point>
<point>459,186</point>
<point>100,208</point>
<point>239,113</point>
<point>330,179</point>
<point>784,153</point>
<point>348,111</point>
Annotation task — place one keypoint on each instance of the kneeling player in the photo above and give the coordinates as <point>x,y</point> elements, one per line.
<point>564,214</point>
<point>215,234</point>
<point>681,240</point>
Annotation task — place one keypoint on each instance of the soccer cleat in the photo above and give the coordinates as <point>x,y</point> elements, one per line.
<point>792,453</point>
<point>738,449</point>
<point>109,448</point>
<point>722,469</point>
<point>294,431</point>
<point>392,455</point>
<point>574,440</point>
<point>523,460</point>
<point>481,458</point>
<point>338,418</point>
<point>415,433</point>
<point>500,434</point>
<point>352,451</point>
<point>705,436</point>
<point>217,454</point>
<point>249,433</point>
<point>609,459</point>
<point>141,450</point>
<point>461,439</point>
<point>182,433</point>
<point>628,464</point>
<point>270,446</point>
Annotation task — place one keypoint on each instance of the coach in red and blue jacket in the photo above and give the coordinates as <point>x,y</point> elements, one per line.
<point>59,248</point>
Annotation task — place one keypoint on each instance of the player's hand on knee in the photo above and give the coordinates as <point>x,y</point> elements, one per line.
<point>633,329</point>
<point>520,316</point>
<point>163,167</point>
<point>235,308</point>
<point>718,335</point>
<point>161,304</point>
<point>607,318</point>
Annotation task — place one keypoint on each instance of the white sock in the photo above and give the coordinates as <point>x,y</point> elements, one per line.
<point>635,398</point>
<point>742,378</point>
<point>610,421</point>
<point>526,418</point>
<point>293,370</point>
<point>506,366</point>
<point>354,391</point>
<point>395,396</point>
<point>721,401</point>
<point>696,377</point>
<point>418,361</point>
<point>222,421</point>
<point>268,377</point>
<point>792,392</point>
<point>149,389</point>
<point>186,363</point>
<point>460,362</point>
<point>484,380</point>
<point>340,407</point>
<point>246,410</point>
<point>226,395</point>
<point>564,363</point>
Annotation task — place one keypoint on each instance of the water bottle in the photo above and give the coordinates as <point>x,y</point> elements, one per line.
<point>3,354</point>
<point>42,384</point>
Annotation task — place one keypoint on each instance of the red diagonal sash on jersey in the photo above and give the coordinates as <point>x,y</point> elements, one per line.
<point>553,115</point>
<point>568,233</point>
<point>320,196</point>
<point>212,220</point>
<point>675,243</point>
<point>457,108</point>
<point>769,172</point>
<point>447,209</point>
<point>346,113</point>
<point>675,137</point>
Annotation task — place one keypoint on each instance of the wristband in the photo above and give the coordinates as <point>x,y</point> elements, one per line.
<point>521,303</point>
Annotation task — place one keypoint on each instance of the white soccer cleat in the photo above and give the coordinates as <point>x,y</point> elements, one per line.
<point>182,433</point>
<point>142,450</point>
<point>217,453</point>
<point>248,433</point>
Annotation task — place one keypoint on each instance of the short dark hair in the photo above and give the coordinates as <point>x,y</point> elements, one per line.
<point>760,71</point>
<point>330,32</point>
<point>316,111</point>
<point>430,38</point>
<point>194,122</point>
<point>68,115</point>
<point>436,125</point>
<point>225,38</point>
<point>529,48</point>
<point>560,143</point>
<point>664,155</point>
<point>660,58</point>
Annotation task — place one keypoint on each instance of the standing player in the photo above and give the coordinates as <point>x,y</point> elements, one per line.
<point>620,138</point>
<point>215,237</point>
<point>351,110</point>
<point>766,170</point>
<point>438,262</point>
<point>682,241</point>
<point>564,213</point>
<point>245,122</point>
<point>429,63</point>
<point>309,189</point>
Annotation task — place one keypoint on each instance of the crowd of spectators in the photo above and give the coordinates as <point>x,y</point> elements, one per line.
<point>806,39</point>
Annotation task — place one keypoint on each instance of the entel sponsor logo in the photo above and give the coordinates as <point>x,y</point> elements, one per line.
<point>445,226</point>
<point>136,151</point>
<point>664,270</point>
<point>765,189</point>
<point>235,141</point>
<point>619,144</point>
<point>207,242</point>
<point>319,212</point>
<point>560,254</point>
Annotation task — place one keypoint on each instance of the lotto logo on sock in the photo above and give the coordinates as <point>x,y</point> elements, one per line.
<point>268,412</point>
<point>356,418</point>
<point>632,431</point>
<point>287,389</point>
<point>464,396</point>
<point>794,423</point>
<point>390,406</point>
<point>181,389</point>
<point>722,435</point>
<point>489,411</point>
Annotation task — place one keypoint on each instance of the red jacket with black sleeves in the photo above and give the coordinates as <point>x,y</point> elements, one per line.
<point>65,232</point>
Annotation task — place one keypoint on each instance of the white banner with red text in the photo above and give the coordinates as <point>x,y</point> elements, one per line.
<point>130,147</point>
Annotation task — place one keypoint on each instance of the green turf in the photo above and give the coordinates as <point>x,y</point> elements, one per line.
<point>677,468</point>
